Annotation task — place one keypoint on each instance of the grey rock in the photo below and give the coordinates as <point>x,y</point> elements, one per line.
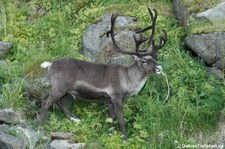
<point>29,137</point>
<point>10,142</point>
<point>181,12</point>
<point>98,47</point>
<point>216,72</point>
<point>122,59</point>
<point>61,135</point>
<point>5,47</point>
<point>64,144</point>
<point>39,89</point>
<point>210,47</point>
<point>36,10</point>
<point>220,63</point>
<point>4,128</point>
<point>214,14</point>
<point>10,116</point>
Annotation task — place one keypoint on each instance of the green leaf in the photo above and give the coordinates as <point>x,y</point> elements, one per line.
<point>109,120</point>
<point>137,126</point>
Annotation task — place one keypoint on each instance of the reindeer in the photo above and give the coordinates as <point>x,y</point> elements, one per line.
<point>110,83</point>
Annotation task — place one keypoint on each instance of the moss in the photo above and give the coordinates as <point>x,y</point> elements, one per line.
<point>206,27</point>
<point>197,6</point>
<point>126,9</point>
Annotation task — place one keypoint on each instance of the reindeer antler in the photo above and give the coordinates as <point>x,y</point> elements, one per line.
<point>162,42</point>
<point>139,39</point>
<point>111,32</point>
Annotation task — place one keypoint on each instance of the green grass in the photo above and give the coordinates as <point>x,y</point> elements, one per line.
<point>198,6</point>
<point>206,27</point>
<point>195,102</point>
<point>13,95</point>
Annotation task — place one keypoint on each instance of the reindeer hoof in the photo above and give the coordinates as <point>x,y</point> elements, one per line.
<point>41,116</point>
<point>76,120</point>
<point>73,117</point>
<point>125,140</point>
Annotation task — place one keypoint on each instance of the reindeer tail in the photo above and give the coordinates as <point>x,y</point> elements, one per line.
<point>46,64</point>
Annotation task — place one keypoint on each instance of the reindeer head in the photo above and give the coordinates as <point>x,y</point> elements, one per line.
<point>145,58</point>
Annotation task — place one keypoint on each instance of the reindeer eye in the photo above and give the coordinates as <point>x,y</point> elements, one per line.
<point>143,61</point>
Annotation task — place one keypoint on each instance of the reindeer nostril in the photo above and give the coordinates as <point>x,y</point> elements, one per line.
<point>158,69</point>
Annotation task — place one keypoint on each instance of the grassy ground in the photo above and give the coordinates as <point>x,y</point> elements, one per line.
<point>195,102</point>
<point>198,6</point>
<point>200,27</point>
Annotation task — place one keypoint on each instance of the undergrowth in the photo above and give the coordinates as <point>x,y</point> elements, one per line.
<point>195,102</point>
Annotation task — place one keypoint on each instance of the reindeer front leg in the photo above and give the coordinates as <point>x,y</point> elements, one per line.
<point>118,112</point>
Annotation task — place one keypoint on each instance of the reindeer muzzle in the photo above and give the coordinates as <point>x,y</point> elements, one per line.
<point>158,69</point>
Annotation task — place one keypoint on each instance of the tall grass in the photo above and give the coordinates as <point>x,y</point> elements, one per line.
<point>13,95</point>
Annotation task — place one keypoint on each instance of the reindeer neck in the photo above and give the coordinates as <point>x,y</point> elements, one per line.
<point>136,73</point>
<point>135,80</point>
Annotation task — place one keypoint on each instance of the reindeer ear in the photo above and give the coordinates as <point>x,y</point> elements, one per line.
<point>148,57</point>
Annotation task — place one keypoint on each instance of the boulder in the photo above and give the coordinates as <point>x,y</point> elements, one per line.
<point>35,10</point>
<point>39,89</point>
<point>181,12</point>
<point>214,14</point>
<point>61,135</point>
<point>10,142</point>
<point>216,72</point>
<point>4,128</point>
<point>20,137</point>
<point>10,116</point>
<point>29,137</point>
<point>98,47</point>
<point>210,47</point>
<point>64,144</point>
<point>5,47</point>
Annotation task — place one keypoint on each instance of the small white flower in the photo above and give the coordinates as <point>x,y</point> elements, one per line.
<point>175,141</point>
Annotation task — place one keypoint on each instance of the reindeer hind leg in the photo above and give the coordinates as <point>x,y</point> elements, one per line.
<point>54,96</point>
<point>69,114</point>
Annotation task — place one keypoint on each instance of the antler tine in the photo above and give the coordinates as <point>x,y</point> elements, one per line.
<point>138,41</point>
<point>111,32</point>
<point>153,18</point>
<point>143,30</point>
<point>163,40</point>
<point>155,48</point>
<point>141,39</point>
